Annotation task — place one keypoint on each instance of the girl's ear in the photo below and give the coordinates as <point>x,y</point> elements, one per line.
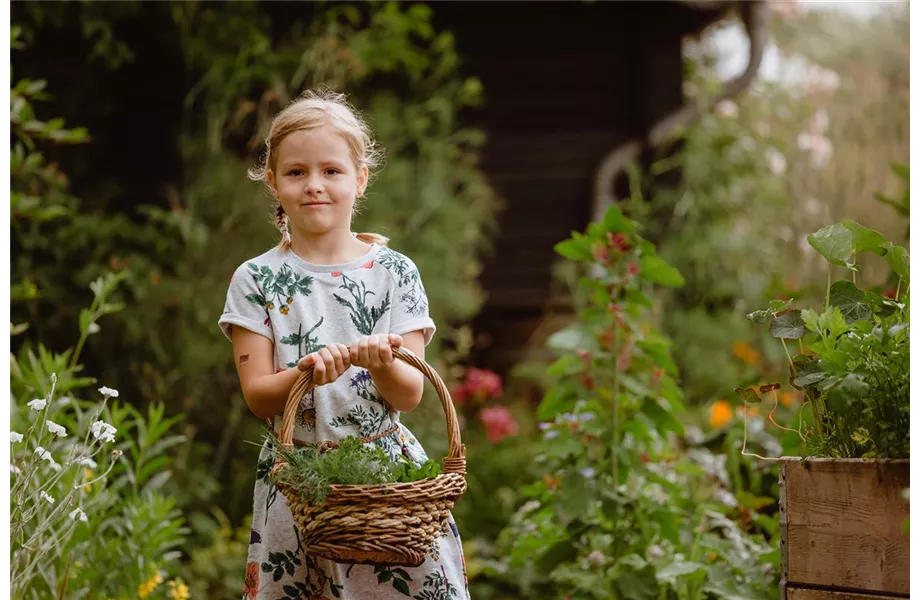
<point>270,177</point>
<point>362,180</point>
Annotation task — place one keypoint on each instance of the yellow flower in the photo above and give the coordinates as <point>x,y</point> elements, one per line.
<point>178,590</point>
<point>720,413</point>
<point>746,352</point>
<point>146,588</point>
<point>88,475</point>
<point>284,310</point>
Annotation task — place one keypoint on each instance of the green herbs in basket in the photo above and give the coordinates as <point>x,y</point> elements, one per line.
<point>352,463</point>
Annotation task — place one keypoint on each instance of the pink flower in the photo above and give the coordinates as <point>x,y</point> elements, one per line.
<point>336,273</point>
<point>483,383</point>
<point>499,423</point>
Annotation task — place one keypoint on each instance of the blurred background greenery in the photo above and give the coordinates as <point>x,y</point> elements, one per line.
<point>134,124</point>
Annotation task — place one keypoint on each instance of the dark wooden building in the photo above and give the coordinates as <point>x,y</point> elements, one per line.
<point>567,85</point>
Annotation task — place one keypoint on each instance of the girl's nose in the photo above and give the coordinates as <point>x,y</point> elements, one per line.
<point>313,185</point>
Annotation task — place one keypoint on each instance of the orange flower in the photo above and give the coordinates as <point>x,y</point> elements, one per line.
<point>720,413</point>
<point>787,398</point>
<point>251,583</point>
<point>746,352</point>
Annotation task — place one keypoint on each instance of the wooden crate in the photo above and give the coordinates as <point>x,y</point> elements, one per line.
<point>841,524</point>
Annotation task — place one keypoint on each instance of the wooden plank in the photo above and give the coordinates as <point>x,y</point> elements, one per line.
<point>842,524</point>
<point>812,594</point>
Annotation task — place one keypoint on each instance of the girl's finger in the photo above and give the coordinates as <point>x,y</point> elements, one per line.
<point>395,340</point>
<point>319,369</point>
<point>338,358</point>
<point>373,351</point>
<point>305,362</point>
<point>386,353</point>
<point>363,354</point>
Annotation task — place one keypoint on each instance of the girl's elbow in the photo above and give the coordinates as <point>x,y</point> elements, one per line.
<point>256,407</point>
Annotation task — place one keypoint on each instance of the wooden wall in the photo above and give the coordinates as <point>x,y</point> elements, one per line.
<point>565,82</point>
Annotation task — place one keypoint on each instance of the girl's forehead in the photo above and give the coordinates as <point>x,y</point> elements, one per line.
<point>323,143</point>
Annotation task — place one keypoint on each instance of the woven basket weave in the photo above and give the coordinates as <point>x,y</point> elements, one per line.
<point>390,524</point>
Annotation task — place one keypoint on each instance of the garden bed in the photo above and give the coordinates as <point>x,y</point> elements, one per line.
<point>842,526</point>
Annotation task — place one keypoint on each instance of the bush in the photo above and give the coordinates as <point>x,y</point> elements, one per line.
<point>89,517</point>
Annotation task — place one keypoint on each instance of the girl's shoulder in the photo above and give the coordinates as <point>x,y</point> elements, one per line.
<point>397,264</point>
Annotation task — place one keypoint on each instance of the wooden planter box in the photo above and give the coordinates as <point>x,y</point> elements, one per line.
<point>841,522</point>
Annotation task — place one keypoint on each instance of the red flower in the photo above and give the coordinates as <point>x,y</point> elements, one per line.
<point>460,395</point>
<point>619,240</point>
<point>368,265</point>
<point>890,292</point>
<point>336,273</point>
<point>481,382</point>
<point>589,382</point>
<point>251,583</point>
<point>633,269</point>
<point>499,422</point>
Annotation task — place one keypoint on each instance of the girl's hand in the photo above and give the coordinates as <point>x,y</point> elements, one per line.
<point>328,364</point>
<point>374,352</point>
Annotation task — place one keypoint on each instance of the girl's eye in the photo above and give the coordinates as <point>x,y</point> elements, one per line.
<point>295,172</point>
<point>331,171</point>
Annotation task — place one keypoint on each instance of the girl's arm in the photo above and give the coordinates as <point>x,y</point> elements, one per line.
<point>265,391</point>
<point>401,385</point>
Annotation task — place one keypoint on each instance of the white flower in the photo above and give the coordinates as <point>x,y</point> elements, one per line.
<point>43,454</point>
<point>93,328</point>
<point>103,431</point>
<point>597,557</point>
<point>56,429</point>
<point>694,435</point>
<point>588,472</point>
<point>724,497</point>
<point>818,122</point>
<point>775,161</point>
<point>530,505</point>
<point>15,470</point>
<point>78,515</point>
<point>819,146</point>
<point>86,462</point>
<point>55,466</point>
<point>38,404</point>
<point>47,497</point>
<point>15,438</point>
<point>727,108</point>
<point>108,392</point>
<point>655,551</point>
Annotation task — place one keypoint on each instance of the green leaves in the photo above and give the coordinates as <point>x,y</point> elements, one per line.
<point>748,395</point>
<point>656,270</point>
<point>788,326</point>
<point>898,260</point>
<point>834,243</point>
<point>615,222</point>
<point>850,300</point>
<point>576,248</point>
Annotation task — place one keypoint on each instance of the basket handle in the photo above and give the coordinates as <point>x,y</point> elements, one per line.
<point>455,462</point>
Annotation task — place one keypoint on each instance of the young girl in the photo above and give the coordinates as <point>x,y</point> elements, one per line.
<point>338,301</point>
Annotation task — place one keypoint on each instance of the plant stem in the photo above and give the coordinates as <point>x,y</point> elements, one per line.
<point>827,298</point>
<point>789,356</point>
<point>897,290</point>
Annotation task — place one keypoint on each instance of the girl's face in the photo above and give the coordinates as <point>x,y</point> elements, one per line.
<point>316,181</point>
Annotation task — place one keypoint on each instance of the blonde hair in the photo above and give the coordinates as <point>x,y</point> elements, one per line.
<point>312,110</point>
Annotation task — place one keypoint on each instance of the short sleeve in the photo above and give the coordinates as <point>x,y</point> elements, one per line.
<point>245,306</point>
<point>410,302</point>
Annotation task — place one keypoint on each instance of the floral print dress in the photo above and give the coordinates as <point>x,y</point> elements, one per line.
<point>301,307</point>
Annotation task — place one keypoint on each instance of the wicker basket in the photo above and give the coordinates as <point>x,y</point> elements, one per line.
<point>390,524</point>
